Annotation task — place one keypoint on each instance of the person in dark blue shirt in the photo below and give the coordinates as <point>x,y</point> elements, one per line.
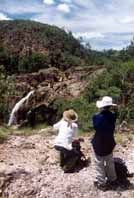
<point>103,142</point>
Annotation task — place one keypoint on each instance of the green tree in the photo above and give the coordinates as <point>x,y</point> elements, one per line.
<point>33,63</point>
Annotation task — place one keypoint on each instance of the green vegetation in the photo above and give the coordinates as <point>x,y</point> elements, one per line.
<point>33,63</point>
<point>7,91</point>
<point>4,132</point>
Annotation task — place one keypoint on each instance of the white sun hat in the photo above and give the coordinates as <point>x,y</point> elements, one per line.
<point>106,101</point>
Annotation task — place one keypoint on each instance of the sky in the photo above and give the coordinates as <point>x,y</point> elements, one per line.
<point>105,24</point>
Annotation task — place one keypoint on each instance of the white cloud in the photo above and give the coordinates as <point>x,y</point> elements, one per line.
<point>15,7</point>
<point>88,35</point>
<point>49,2</point>
<point>111,40</point>
<point>63,8</point>
<point>128,20</point>
<point>85,3</point>
<point>66,1</point>
<point>4,17</point>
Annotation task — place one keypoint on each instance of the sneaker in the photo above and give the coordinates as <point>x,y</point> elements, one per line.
<point>114,184</point>
<point>103,187</point>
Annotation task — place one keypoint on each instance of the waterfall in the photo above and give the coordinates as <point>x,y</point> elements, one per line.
<point>18,105</point>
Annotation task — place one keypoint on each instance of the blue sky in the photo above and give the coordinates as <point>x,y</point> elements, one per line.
<point>104,24</point>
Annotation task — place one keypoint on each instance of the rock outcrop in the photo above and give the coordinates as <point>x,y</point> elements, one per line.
<point>51,84</point>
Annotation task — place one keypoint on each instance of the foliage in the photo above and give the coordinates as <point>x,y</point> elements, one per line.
<point>3,134</point>
<point>7,89</point>
<point>118,82</point>
<point>33,63</point>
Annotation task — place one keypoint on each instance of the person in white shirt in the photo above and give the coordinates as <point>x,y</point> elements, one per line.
<point>67,133</point>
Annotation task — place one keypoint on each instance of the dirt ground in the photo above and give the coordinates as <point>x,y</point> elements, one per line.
<point>29,169</point>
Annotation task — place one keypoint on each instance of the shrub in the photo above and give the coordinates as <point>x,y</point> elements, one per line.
<point>3,134</point>
<point>7,89</point>
<point>33,63</point>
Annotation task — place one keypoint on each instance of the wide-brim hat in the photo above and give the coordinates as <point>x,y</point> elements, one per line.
<point>70,115</point>
<point>106,101</point>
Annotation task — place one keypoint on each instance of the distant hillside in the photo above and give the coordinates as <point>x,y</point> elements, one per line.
<point>27,46</point>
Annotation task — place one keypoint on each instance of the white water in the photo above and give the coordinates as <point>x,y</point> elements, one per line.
<point>17,106</point>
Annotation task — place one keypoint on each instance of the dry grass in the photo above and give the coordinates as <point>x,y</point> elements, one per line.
<point>4,132</point>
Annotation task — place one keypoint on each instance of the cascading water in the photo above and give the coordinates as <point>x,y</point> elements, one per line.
<point>18,105</point>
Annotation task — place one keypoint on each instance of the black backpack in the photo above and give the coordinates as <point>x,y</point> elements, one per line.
<point>82,161</point>
<point>121,169</point>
